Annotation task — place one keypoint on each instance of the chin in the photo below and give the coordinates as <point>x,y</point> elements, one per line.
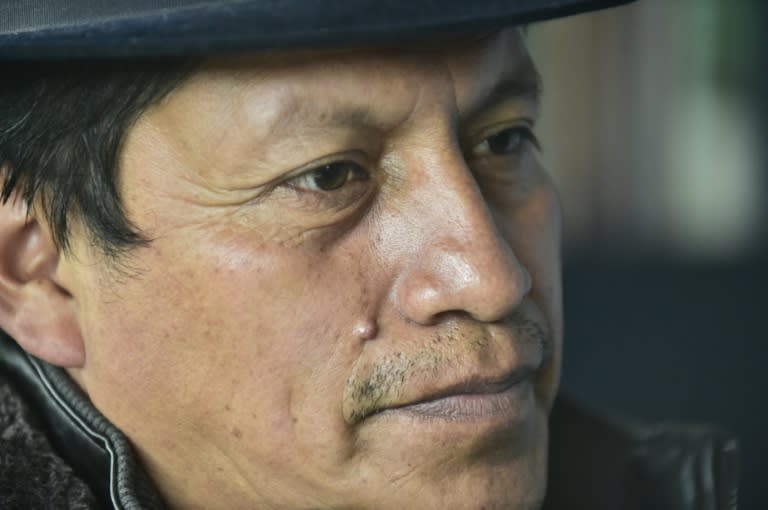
<point>507,471</point>
<point>513,489</point>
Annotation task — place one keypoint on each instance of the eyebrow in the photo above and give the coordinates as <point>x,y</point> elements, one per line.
<point>523,82</point>
<point>343,114</point>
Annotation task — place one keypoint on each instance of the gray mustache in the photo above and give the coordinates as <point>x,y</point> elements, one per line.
<point>385,381</point>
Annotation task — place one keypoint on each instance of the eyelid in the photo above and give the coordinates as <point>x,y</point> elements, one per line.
<point>525,125</point>
<point>357,156</point>
<point>353,192</point>
<point>345,164</point>
<point>494,129</point>
<point>531,136</point>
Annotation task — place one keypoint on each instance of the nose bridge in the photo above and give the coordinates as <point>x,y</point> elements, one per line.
<point>462,263</point>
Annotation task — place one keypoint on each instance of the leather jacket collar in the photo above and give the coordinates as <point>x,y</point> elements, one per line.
<point>97,451</point>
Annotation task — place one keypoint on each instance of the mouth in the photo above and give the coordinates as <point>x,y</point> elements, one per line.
<point>476,399</point>
<point>498,379</point>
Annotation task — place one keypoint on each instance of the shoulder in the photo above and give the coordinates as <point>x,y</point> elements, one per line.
<point>600,463</point>
<point>32,475</point>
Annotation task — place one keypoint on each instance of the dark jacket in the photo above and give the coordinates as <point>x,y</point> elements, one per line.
<point>58,452</point>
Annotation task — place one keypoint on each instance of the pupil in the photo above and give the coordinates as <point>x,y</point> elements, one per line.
<point>331,177</point>
<point>504,142</point>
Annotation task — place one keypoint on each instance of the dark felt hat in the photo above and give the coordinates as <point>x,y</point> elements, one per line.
<point>119,28</point>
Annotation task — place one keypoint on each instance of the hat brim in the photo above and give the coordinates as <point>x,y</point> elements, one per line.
<point>30,29</point>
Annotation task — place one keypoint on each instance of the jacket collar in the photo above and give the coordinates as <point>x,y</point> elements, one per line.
<point>97,451</point>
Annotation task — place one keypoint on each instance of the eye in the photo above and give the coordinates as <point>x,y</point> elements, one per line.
<point>506,141</point>
<point>330,177</point>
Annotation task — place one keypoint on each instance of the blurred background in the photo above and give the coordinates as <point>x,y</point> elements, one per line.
<point>655,116</point>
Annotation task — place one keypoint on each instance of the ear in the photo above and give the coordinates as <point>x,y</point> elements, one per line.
<point>34,308</point>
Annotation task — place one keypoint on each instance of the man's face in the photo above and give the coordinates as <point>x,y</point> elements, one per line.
<point>352,294</point>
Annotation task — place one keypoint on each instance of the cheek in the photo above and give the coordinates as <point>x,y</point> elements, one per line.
<point>290,319</point>
<point>235,336</point>
<point>533,229</point>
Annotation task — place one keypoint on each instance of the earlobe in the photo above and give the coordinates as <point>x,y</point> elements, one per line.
<point>34,308</point>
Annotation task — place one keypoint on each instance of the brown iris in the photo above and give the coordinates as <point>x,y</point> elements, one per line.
<point>335,175</point>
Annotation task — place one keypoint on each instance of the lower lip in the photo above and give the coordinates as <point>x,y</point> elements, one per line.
<point>509,405</point>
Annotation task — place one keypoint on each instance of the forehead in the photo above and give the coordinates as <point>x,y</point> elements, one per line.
<point>361,84</point>
<point>243,120</point>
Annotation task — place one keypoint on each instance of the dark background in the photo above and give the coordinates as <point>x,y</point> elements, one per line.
<point>653,339</point>
<point>654,127</point>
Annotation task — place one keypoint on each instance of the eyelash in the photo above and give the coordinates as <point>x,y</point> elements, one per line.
<point>523,133</point>
<point>333,186</point>
<point>348,166</point>
<point>495,145</point>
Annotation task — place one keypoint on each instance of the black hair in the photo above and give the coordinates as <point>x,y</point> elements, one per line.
<point>62,125</point>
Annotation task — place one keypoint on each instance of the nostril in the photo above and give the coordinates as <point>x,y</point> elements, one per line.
<point>451,315</point>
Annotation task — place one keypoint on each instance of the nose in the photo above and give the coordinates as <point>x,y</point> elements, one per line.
<point>460,263</point>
